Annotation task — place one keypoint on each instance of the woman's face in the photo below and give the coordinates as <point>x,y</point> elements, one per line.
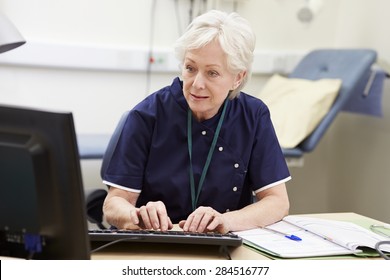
<point>206,80</point>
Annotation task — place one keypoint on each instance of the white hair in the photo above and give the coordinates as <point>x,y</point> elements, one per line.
<point>234,34</point>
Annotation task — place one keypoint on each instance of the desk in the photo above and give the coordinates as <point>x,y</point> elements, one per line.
<point>180,251</point>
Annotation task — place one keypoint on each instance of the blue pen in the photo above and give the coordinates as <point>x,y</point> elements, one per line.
<point>289,236</point>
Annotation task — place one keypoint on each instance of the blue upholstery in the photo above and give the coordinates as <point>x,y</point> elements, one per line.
<point>95,146</point>
<point>95,197</point>
<point>112,143</point>
<point>352,66</point>
<point>92,146</point>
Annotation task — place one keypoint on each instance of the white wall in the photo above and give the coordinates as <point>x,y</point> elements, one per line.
<point>78,49</point>
<point>76,58</point>
<point>89,25</point>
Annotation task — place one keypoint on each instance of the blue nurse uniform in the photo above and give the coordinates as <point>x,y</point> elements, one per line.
<point>152,156</point>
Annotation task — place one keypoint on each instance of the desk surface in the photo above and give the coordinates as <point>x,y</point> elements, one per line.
<point>138,251</point>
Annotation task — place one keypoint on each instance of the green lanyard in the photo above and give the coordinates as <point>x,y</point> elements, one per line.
<point>194,198</point>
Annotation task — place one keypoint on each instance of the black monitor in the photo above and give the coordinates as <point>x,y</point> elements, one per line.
<point>42,209</point>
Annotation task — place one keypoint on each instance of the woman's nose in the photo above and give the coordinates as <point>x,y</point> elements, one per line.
<point>199,82</point>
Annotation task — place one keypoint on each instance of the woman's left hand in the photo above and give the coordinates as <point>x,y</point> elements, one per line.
<point>205,219</point>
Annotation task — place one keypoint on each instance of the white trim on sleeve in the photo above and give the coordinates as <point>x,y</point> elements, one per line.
<point>121,187</point>
<point>273,184</point>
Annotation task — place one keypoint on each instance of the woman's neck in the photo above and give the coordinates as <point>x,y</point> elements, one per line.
<point>202,116</point>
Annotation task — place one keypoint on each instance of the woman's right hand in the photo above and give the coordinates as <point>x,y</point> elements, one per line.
<point>120,211</point>
<point>153,215</point>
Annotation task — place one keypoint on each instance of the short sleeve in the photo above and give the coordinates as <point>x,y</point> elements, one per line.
<point>267,166</point>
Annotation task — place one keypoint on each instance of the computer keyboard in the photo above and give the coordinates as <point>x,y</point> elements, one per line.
<point>171,236</point>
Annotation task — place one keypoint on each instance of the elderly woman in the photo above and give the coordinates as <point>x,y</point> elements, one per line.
<point>198,151</point>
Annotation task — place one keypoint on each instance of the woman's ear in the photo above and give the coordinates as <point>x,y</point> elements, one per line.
<point>238,80</point>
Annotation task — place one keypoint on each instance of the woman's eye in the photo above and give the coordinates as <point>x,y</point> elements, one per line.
<point>213,73</point>
<point>189,68</point>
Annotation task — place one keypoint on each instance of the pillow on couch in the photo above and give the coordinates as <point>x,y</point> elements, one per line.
<point>297,105</point>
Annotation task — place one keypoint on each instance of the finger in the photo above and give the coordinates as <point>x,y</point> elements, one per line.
<point>143,211</point>
<point>216,224</point>
<point>153,216</point>
<point>187,223</point>
<point>181,224</point>
<point>207,218</point>
<point>134,216</point>
<point>170,224</point>
<point>200,219</point>
<point>165,222</point>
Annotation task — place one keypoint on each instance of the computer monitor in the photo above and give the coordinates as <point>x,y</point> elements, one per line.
<point>42,208</point>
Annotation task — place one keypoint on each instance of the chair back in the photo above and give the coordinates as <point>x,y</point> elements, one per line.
<point>95,197</point>
<point>112,143</point>
<point>352,66</point>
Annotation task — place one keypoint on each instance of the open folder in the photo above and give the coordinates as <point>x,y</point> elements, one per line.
<point>300,236</point>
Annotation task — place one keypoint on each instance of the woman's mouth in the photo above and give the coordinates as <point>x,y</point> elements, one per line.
<point>198,97</point>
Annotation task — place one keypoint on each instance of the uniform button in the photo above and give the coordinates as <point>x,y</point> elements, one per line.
<point>204,132</point>
<point>220,149</point>
<point>236,165</point>
<point>227,210</point>
<point>235,189</point>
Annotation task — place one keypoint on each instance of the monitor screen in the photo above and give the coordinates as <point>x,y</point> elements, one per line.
<point>42,208</point>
